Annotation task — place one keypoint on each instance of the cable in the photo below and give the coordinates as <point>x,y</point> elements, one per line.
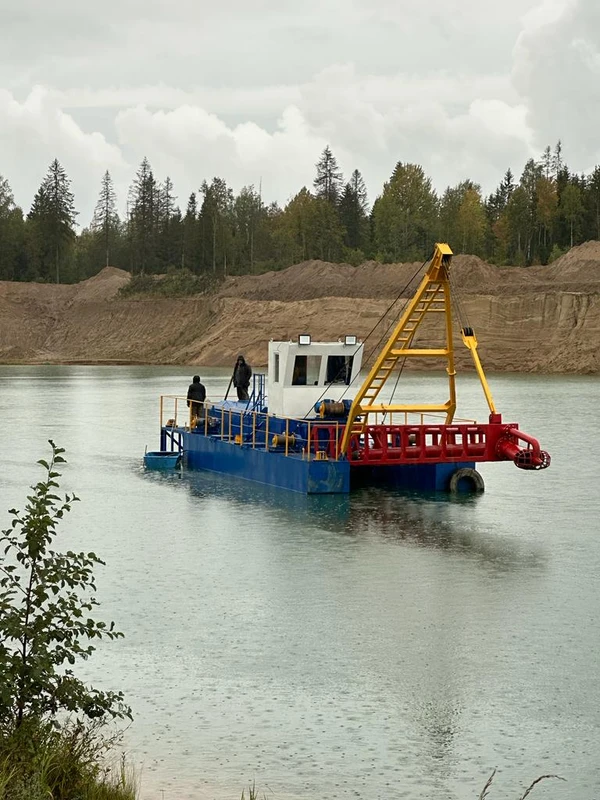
<point>379,321</point>
<point>456,302</point>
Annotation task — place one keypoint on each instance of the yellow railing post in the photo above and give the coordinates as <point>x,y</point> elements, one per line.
<point>287,430</point>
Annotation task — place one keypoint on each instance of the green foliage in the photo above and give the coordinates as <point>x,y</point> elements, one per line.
<point>141,230</point>
<point>353,256</point>
<point>39,761</point>
<point>329,179</point>
<point>463,218</point>
<point>405,216</point>
<point>11,233</point>
<point>105,222</point>
<point>222,233</point>
<point>51,225</point>
<point>556,253</point>
<point>352,210</point>
<point>46,599</point>
<point>177,283</point>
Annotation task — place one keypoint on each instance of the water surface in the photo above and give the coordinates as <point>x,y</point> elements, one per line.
<point>381,645</point>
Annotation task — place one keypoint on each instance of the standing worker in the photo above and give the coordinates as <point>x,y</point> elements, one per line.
<point>196,396</point>
<point>242,373</point>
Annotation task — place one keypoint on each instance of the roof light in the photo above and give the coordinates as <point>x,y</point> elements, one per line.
<point>350,340</point>
<point>304,338</point>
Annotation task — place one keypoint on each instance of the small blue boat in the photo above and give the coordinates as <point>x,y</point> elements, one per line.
<point>162,459</point>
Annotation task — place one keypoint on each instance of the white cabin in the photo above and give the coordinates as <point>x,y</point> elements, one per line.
<point>303,372</point>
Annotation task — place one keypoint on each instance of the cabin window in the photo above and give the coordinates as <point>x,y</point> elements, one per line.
<point>339,369</point>
<point>306,371</point>
<point>276,368</point>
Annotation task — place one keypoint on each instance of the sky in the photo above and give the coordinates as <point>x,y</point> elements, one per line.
<point>253,90</point>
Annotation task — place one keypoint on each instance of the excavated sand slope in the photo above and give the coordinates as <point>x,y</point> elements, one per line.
<point>543,319</point>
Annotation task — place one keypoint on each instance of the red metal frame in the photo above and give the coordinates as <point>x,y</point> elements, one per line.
<point>435,444</point>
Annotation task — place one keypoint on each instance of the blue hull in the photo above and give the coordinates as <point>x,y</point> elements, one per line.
<point>233,442</point>
<point>417,477</point>
<point>269,467</point>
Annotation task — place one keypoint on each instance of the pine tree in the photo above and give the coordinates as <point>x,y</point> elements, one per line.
<point>557,160</point>
<point>329,181</point>
<point>360,190</point>
<point>546,163</point>
<point>53,216</point>
<point>105,222</point>
<point>168,224</point>
<point>142,223</point>
<point>592,202</point>
<point>572,210</point>
<point>530,178</point>
<point>247,209</point>
<point>11,235</point>
<point>216,220</point>
<point>190,232</point>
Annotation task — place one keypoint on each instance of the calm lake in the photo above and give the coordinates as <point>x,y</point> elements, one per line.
<point>376,646</point>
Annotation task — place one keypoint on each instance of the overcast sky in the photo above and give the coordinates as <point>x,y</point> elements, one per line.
<point>253,90</point>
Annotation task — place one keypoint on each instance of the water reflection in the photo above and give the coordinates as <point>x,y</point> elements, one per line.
<point>433,520</point>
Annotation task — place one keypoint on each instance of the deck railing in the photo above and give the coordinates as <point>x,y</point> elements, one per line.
<point>318,440</point>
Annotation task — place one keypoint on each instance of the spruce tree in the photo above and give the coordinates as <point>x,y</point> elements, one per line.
<point>105,221</point>
<point>143,216</point>
<point>215,214</point>
<point>11,234</point>
<point>190,233</point>
<point>53,216</point>
<point>329,181</point>
<point>168,225</point>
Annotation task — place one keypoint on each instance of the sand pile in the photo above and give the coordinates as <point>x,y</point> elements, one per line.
<point>576,271</point>
<point>544,319</point>
<point>103,286</point>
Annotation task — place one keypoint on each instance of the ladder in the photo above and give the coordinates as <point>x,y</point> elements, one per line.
<point>432,297</point>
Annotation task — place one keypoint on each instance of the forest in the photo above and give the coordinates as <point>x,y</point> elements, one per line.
<point>532,220</point>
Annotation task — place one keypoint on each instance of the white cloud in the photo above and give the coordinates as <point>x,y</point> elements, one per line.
<point>255,91</point>
<point>35,131</point>
<point>557,72</point>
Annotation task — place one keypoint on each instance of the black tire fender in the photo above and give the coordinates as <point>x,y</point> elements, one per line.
<point>468,476</point>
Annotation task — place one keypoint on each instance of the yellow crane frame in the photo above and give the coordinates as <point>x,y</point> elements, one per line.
<point>432,297</point>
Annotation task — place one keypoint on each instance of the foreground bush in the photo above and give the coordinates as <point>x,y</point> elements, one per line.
<point>71,762</point>
<point>52,741</point>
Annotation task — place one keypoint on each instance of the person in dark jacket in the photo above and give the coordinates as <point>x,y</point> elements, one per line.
<point>196,396</point>
<point>242,373</point>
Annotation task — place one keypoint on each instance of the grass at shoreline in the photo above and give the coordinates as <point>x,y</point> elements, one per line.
<point>40,762</point>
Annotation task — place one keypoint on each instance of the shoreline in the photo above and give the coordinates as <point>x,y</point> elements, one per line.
<point>465,368</point>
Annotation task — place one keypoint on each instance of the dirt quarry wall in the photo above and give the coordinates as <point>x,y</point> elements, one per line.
<point>540,319</point>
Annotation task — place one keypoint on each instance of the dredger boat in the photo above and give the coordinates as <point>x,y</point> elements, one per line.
<point>322,431</point>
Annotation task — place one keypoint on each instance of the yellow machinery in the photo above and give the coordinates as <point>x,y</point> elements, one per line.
<point>432,297</point>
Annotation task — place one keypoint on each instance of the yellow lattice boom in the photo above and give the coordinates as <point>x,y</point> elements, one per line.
<point>432,297</point>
